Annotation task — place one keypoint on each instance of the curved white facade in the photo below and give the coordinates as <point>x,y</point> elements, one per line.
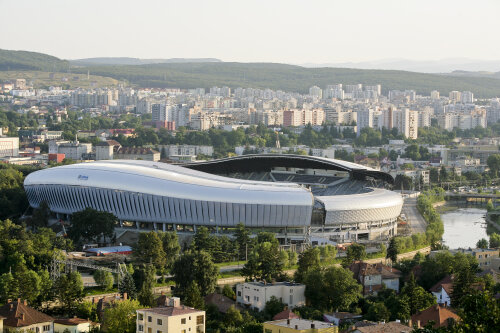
<point>156,192</point>
<point>375,205</point>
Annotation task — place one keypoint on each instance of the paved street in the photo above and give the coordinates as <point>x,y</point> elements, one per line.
<point>416,221</point>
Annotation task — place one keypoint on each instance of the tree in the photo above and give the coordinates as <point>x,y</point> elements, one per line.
<point>392,251</point>
<point>87,309</point>
<point>265,262</point>
<point>493,162</point>
<point>333,288</point>
<point>489,206</point>
<point>403,182</point>
<point>482,243</point>
<point>171,247</point>
<point>127,285</point>
<point>121,317</point>
<point>443,174</point>
<point>494,240</point>
<point>104,279</point>
<point>479,312</point>
<point>273,307</point>
<point>192,296</point>
<point>433,175</point>
<point>29,285</point>
<point>69,290</point>
<point>378,312</point>
<point>419,299</point>
<point>40,217</point>
<point>145,295</point>
<point>308,260</point>
<point>228,292</point>
<point>90,225</point>
<point>149,249</point>
<point>354,252</point>
<point>242,238</point>
<point>233,317</point>
<point>198,267</point>
<point>9,288</point>
<point>464,278</point>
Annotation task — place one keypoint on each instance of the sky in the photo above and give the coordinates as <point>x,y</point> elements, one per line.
<point>286,31</point>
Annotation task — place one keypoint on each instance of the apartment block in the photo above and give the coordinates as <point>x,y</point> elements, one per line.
<point>175,318</point>
<point>256,294</point>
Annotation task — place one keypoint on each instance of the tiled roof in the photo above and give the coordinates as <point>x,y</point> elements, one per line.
<point>285,314</point>
<point>446,283</point>
<point>437,313</point>
<point>222,302</point>
<point>71,321</point>
<point>19,314</point>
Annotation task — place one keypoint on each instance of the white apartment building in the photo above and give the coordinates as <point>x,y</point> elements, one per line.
<point>9,146</point>
<point>434,94</point>
<point>174,318</point>
<point>316,91</point>
<point>256,294</point>
<point>467,97</point>
<point>455,96</point>
<point>71,150</point>
<point>364,119</point>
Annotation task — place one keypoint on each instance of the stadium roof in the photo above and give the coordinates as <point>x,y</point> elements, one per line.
<point>265,162</point>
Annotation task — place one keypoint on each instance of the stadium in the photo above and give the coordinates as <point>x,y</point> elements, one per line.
<point>299,198</point>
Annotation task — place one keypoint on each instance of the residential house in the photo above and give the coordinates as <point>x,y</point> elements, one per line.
<point>256,294</point>
<point>177,318</point>
<point>373,276</point>
<point>221,302</point>
<point>19,317</point>
<point>439,314</point>
<point>73,325</point>
<point>442,290</point>
<point>286,314</point>
<point>299,325</point>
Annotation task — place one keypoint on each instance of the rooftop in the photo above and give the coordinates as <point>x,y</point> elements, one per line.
<point>300,324</point>
<point>19,314</point>
<point>391,327</point>
<point>171,310</point>
<point>440,315</point>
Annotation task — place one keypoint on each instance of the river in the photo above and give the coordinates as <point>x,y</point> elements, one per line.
<point>463,227</point>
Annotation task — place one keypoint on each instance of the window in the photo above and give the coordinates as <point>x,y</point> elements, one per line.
<point>140,316</point>
<point>291,300</point>
<point>150,319</point>
<point>37,330</point>
<point>267,330</point>
<point>140,328</point>
<point>199,320</point>
<point>183,331</point>
<point>239,293</point>
<point>159,322</point>
<point>158,331</point>
<point>150,330</point>
<point>183,320</point>
<point>46,328</point>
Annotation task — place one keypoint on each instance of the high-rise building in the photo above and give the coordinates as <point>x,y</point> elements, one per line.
<point>455,96</point>
<point>365,119</point>
<point>316,91</point>
<point>434,94</point>
<point>467,97</point>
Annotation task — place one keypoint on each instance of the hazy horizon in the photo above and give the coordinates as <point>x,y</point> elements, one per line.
<point>280,31</point>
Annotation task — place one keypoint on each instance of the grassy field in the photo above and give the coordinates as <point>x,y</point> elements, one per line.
<point>69,80</point>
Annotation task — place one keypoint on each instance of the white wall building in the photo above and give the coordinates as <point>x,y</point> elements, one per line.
<point>256,294</point>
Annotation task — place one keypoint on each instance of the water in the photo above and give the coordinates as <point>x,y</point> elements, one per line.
<point>464,227</point>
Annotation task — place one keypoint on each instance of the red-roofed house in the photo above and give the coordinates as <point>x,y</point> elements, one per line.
<point>373,276</point>
<point>286,314</point>
<point>20,317</point>
<point>440,315</point>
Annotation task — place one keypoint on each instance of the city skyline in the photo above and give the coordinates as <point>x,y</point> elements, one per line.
<point>276,31</point>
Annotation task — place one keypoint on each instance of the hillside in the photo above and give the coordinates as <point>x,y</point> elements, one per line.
<point>288,77</point>
<point>185,75</point>
<point>24,60</point>
<point>68,80</point>
<point>135,61</point>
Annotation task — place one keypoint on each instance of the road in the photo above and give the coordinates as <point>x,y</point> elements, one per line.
<point>413,216</point>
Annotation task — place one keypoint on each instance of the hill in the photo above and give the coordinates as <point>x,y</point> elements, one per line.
<point>67,80</point>
<point>288,77</point>
<point>135,61</point>
<point>24,60</point>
